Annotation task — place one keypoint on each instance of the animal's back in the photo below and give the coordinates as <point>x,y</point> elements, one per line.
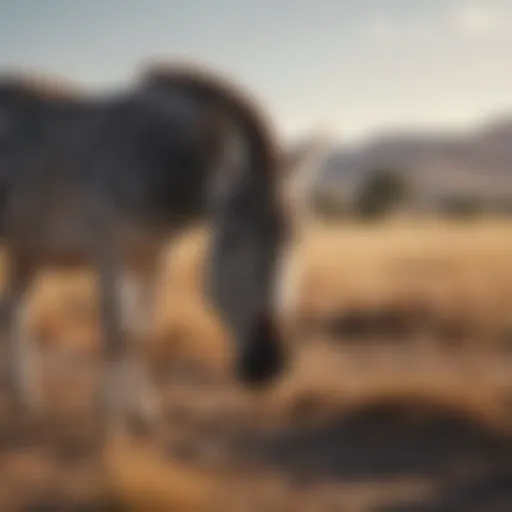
<point>47,150</point>
<point>76,169</point>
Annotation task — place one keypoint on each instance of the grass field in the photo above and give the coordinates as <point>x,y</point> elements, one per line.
<point>397,396</point>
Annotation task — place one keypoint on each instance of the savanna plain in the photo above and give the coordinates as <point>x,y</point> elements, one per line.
<point>397,396</point>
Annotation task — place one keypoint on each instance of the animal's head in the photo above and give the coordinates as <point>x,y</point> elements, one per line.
<point>252,223</point>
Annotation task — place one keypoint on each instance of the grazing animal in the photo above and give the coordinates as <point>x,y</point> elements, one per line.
<point>108,180</point>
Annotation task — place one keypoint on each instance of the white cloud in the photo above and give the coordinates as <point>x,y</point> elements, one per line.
<point>477,19</point>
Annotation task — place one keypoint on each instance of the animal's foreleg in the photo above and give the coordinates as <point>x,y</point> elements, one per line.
<point>112,390</point>
<point>125,389</point>
<point>24,386</point>
<point>137,306</point>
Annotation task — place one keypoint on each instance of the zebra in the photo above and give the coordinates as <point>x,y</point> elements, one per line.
<point>107,180</point>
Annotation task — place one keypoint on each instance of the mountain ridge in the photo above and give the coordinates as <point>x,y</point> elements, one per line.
<point>478,161</point>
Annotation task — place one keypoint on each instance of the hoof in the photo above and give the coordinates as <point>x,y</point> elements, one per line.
<point>128,399</point>
<point>26,398</point>
<point>143,413</point>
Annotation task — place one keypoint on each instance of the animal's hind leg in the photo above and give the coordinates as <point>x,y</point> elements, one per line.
<point>138,289</point>
<point>125,389</point>
<point>24,387</point>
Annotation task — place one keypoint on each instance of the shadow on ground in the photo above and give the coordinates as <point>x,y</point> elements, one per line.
<point>465,464</point>
<point>364,459</point>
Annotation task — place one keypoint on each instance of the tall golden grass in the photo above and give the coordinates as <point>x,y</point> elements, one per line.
<point>463,271</point>
<point>459,269</point>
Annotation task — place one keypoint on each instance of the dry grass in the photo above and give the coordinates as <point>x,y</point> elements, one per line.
<point>462,272</point>
<point>140,480</point>
<point>459,269</point>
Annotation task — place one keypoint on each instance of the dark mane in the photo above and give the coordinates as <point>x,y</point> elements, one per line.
<point>220,92</point>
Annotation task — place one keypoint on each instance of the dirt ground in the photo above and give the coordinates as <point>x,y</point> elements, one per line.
<point>364,420</point>
<point>221,448</point>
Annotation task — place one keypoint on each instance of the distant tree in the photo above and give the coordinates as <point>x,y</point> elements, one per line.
<point>462,206</point>
<point>381,192</point>
<point>502,206</point>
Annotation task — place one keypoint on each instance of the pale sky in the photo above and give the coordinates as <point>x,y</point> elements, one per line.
<point>351,67</point>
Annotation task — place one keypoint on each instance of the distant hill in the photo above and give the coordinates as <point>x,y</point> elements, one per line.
<point>477,162</point>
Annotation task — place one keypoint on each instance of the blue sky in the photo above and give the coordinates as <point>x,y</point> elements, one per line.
<point>351,67</point>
